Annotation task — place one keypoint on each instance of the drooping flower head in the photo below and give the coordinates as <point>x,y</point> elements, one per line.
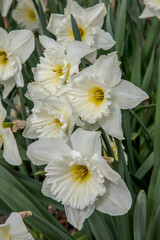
<point>15,48</point>
<point>58,65</point>
<point>14,228</point>
<point>98,94</point>
<point>10,149</point>
<point>151,9</point>
<point>89,20</point>
<point>79,177</point>
<point>26,16</point>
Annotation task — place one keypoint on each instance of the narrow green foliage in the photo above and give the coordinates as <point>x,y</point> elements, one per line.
<point>99,227</point>
<point>140,218</point>
<point>120,27</point>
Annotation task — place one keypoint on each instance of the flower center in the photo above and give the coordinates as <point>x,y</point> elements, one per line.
<point>96,95</point>
<point>31,15</point>
<point>80,173</point>
<point>55,122</point>
<point>82,32</point>
<point>58,70</point>
<point>3,58</point>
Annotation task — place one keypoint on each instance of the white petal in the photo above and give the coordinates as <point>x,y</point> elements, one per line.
<point>77,217</point>
<point>22,43</point>
<point>30,130</point>
<point>74,8</point>
<point>117,199</point>
<point>3,233</point>
<point>4,38</point>
<point>91,57</point>
<point>46,189</point>
<point>127,95</point>
<point>8,86</point>
<point>107,68</point>
<point>10,153</point>
<point>45,150</point>
<point>5,5</point>
<point>86,142</point>
<point>96,14</point>
<point>147,12</point>
<point>16,227</point>
<point>103,39</point>
<point>2,112</point>
<point>54,22</point>
<point>37,91</point>
<point>78,49</point>
<point>18,77</point>
<point>51,43</point>
<point>112,123</point>
<point>106,170</point>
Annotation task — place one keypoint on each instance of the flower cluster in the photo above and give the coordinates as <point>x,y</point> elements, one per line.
<point>66,96</point>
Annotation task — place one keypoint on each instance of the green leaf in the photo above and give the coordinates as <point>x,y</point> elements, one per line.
<point>148,73</point>
<point>120,28</point>
<point>140,216</point>
<point>99,227</point>
<point>152,194</point>
<point>145,167</point>
<point>75,29</point>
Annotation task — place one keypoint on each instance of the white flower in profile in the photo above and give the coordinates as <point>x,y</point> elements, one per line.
<point>14,229</point>
<point>89,21</point>
<point>51,118</point>
<point>5,6</point>
<point>10,149</point>
<point>79,177</point>
<point>151,9</point>
<point>15,48</point>
<point>58,65</point>
<point>26,16</point>
<point>98,94</point>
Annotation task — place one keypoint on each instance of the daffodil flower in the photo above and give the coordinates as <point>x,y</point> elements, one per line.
<point>10,149</point>
<point>89,21</point>
<point>50,118</point>
<point>57,66</point>
<point>14,229</point>
<point>151,9</point>
<point>98,94</point>
<point>26,16</point>
<point>15,48</point>
<point>5,6</point>
<point>79,177</point>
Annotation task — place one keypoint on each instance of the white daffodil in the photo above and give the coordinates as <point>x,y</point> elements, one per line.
<point>10,149</point>
<point>58,65</point>
<point>50,118</point>
<point>79,177</point>
<point>98,94</point>
<point>89,21</point>
<point>5,6</point>
<point>26,16</point>
<point>14,229</point>
<point>15,49</point>
<point>151,9</point>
